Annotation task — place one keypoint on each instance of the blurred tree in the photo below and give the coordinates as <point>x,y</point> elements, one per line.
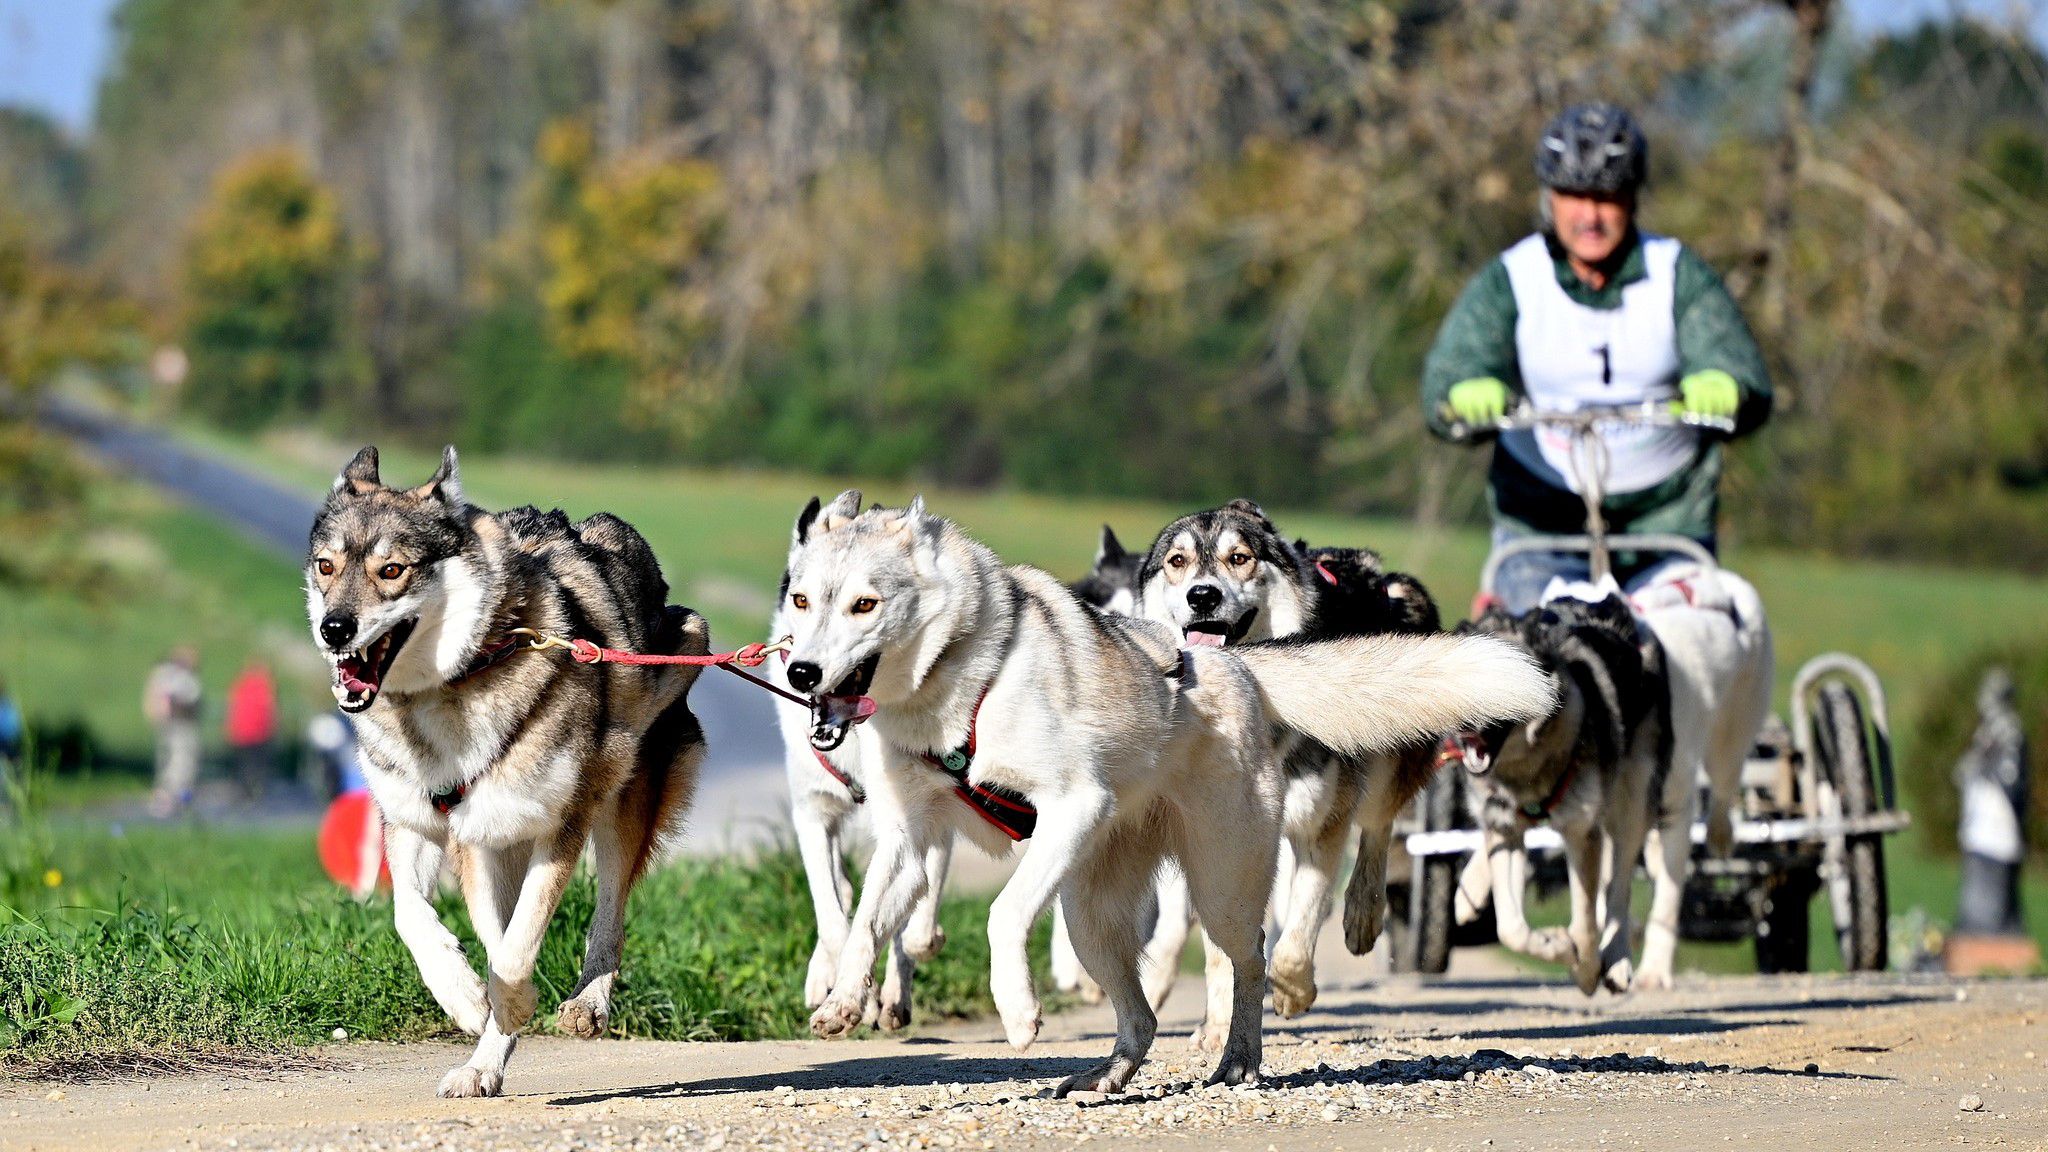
<point>268,271</point>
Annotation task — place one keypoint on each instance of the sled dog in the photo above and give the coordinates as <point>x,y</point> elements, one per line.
<point>1227,575</point>
<point>503,761</point>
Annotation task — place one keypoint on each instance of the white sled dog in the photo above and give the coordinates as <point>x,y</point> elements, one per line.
<point>1618,773</point>
<point>1004,709</point>
<point>506,762</point>
<point>825,793</point>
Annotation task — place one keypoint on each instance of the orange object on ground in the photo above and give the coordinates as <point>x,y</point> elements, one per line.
<point>352,844</point>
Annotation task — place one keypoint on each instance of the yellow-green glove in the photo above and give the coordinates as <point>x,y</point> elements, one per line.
<point>1478,403</point>
<point>1709,395</point>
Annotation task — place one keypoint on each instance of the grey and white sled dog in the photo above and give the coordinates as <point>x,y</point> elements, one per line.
<point>1226,576</point>
<point>825,795</point>
<point>1653,693</point>
<point>505,763</point>
<point>1004,706</point>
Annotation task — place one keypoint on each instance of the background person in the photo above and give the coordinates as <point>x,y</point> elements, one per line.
<point>170,699</point>
<point>250,725</point>
<point>1592,310</point>
<point>11,737</point>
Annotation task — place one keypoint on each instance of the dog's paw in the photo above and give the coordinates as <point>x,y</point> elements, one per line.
<point>818,980</point>
<point>924,948</point>
<point>892,1013</point>
<point>1021,1026</point>
<point>837,1017</point>
<point>1293,977</point>
<point>1236,1069</point>
<point>1586,974</point>
<point>470,1014</point>
<point>1209,1036</point>
<point>871,1012</point>
<point>1721,833</point>
<point>1108,1077</point>
<point>1362,925</point>
<point>583,1018</point>
<point>1552,944</point>
<point>514,1004</point>
<point>466,1083</point>
<point>1653,979</point>
<point>1619,977</point>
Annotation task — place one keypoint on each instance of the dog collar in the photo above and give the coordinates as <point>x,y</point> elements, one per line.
<point>488,657</point>
<point>1009,812</point>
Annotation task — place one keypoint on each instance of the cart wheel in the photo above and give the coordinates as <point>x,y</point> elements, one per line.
<point>1784,935</point>
<point>1856,887</point>
<point>1419,926</point>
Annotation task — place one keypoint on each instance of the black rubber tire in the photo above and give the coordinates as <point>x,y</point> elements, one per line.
<point>1845,753</point>
<point>1431,912</point>
<point>1784,936</point>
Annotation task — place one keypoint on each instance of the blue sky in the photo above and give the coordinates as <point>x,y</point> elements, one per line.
<point>53,51</point>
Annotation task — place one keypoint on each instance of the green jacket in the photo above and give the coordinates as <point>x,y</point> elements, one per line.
<point>1478,339</point>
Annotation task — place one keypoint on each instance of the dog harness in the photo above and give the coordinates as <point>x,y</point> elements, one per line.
<point>860,794</point>
<point>1009,812</point>
<point>445,800</point>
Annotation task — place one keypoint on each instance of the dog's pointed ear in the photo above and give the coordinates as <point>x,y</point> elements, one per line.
<point>445,485</point>
<point>1301,545</point>
<point>1248,507</point>
<point>1110,551</point>
<point>359,475</point>
<point>841,512</point>
<point>805,519</point>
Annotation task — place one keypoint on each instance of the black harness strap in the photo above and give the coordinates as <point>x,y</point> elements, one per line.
<point>1009,812</point>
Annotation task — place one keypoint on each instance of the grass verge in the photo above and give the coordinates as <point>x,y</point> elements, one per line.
<point>162,946</point>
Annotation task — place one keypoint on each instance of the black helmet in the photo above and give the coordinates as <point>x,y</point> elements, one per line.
<point>1593,148</point>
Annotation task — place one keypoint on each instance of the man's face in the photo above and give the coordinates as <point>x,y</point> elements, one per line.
<point>1590,227</point>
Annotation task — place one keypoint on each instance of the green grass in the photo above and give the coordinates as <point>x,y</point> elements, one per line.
<point>167,943</point>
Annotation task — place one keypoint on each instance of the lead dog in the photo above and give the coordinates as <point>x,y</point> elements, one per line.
<point>995,690</point>
<point>507,763</point>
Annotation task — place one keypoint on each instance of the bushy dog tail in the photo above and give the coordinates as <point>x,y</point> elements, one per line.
<point>1365,694</point>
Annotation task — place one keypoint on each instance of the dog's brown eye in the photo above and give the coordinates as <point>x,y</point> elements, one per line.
<point>326,567</point>
<point>800,602</point>
<point>1176,561</point>
<point>1240,559</point>
<point>865,605</point>
<point>390,571</point>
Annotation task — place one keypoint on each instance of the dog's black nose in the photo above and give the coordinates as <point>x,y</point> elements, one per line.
<point>804,676</point>
<point>337,629</point>
<point>1205,599</point>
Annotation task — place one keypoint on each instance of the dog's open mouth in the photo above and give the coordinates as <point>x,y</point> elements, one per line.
<point>847,704</point>
<point>1217,633</point>
<point>359,674</point>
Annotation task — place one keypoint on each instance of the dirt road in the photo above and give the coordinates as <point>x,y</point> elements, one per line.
<point>1820,1063</point>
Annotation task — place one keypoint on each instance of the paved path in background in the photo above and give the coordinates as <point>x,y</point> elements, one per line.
<point>1782,1064</point>
<point>742,799</point>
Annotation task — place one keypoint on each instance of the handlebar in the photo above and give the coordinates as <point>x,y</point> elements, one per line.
<point>1648,413</point>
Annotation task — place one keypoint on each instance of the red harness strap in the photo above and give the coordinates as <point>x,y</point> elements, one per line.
<point>860,794</point>
<point>1008,812</point>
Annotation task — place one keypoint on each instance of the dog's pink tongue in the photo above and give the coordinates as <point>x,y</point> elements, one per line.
<point>354,676</point>
<point>841,710</point>
<point>1204,639</point>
